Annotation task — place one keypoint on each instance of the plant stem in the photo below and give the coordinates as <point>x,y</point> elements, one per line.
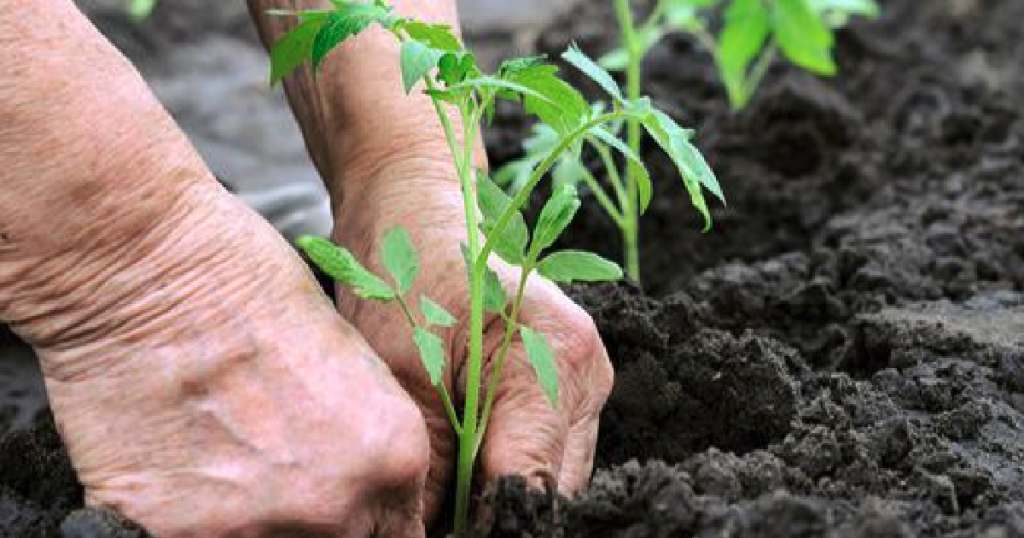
<point>602,197</point>
<point>634,50</point>
<point>511,324</point>
<point>474,366</point>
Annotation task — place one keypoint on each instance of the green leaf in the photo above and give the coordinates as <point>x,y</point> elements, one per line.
<point>803,37</point>
<point>400,259</point>
<point>342,266</point>
<point>551,99</point>
<point>435,314</point>
<point>346,21</point>
<point>435,36</point>
<point>456,67</point>
<point>431,348</point>
<point>495,297</point>
<point>581,61</point>
<point>510,245</point>
<point>417,61</point>
<point>558,212</point>
<point>645,190</point>
<point>542,358</point>
<point>570,266</point>
<point>746,31</point>
<point>675,141</point>
<point>514,66</point>
<point>292,50</point>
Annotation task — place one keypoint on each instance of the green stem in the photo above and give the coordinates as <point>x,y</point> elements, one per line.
<point>602,197</point>
<point>633,74</point>
<point>474,366</point>
<point>467,433</point>
<point>511,324</point>
<point>757,73</point>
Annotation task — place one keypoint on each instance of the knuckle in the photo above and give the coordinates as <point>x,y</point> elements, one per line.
<point>582,347</point>
<point>402,453</point>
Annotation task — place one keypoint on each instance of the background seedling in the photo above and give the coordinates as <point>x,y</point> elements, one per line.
<point>751,35</point>
<point>434,61</point>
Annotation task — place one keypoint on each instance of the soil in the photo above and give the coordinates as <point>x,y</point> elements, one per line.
<point>843,356</point>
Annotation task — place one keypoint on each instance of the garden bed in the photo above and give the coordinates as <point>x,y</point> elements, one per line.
<point>843,355</point>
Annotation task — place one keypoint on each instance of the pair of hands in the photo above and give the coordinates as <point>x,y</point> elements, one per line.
<point>202,383</point>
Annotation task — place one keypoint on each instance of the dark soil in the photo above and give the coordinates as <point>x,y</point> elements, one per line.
<point>843,356</point>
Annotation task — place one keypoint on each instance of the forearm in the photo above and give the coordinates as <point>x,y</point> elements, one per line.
<point>91,162</point>
<point>355,114</point>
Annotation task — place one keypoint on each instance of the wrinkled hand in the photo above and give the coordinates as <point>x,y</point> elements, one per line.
<point>209,390</point>
<point>526,436</point>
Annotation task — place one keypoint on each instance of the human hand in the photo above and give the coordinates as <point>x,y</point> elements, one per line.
<point>212,391</point>
<point>526,436</point>
<point>202,383</point>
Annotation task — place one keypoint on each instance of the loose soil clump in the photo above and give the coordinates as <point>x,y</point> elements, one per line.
<point>843,356</point>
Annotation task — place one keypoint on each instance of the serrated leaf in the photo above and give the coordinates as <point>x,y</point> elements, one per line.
<point>542,358</point>
<point>342,266</point>
<point>675,142</point>
<point>581,61</point>
<point>645,191</point>
<point>803,37</point>
<point>511,244</point>
<point>513,66</point>
<point>551,99</point>
<point>570,266</point>
<point>436,36</point>
<point>556,215</point>
<point>293,50</point>
<point>746,31</point>
<point>456,67</point>
<point>346,21</point>
<point>495,296</point>
<point>431,349</point>
<point>399,258</point>
<point>417,61</point>
<point>435,314</point>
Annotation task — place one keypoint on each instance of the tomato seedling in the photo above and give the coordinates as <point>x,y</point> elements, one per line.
<point>435,61</point>
<point>752,34</point>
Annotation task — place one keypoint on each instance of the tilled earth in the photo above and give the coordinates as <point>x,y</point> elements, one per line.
<point>843,356</point>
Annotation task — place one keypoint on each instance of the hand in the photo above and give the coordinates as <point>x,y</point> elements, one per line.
<point>526,436</point>
<point>208,389</point>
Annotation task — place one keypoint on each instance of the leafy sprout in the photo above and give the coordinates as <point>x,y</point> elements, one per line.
<point>752,35</point>
<point>435,62</point>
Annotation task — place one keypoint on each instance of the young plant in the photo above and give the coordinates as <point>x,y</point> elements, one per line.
<point>435,61</point>
<point>752,34</point>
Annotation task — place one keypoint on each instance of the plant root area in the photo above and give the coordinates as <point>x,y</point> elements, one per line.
<point>842,356</point>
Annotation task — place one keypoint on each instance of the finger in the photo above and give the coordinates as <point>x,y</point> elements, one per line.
<point>402,521</point>
<point>526,435</point>
<point>578,462</point>
<point>442,440</point>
